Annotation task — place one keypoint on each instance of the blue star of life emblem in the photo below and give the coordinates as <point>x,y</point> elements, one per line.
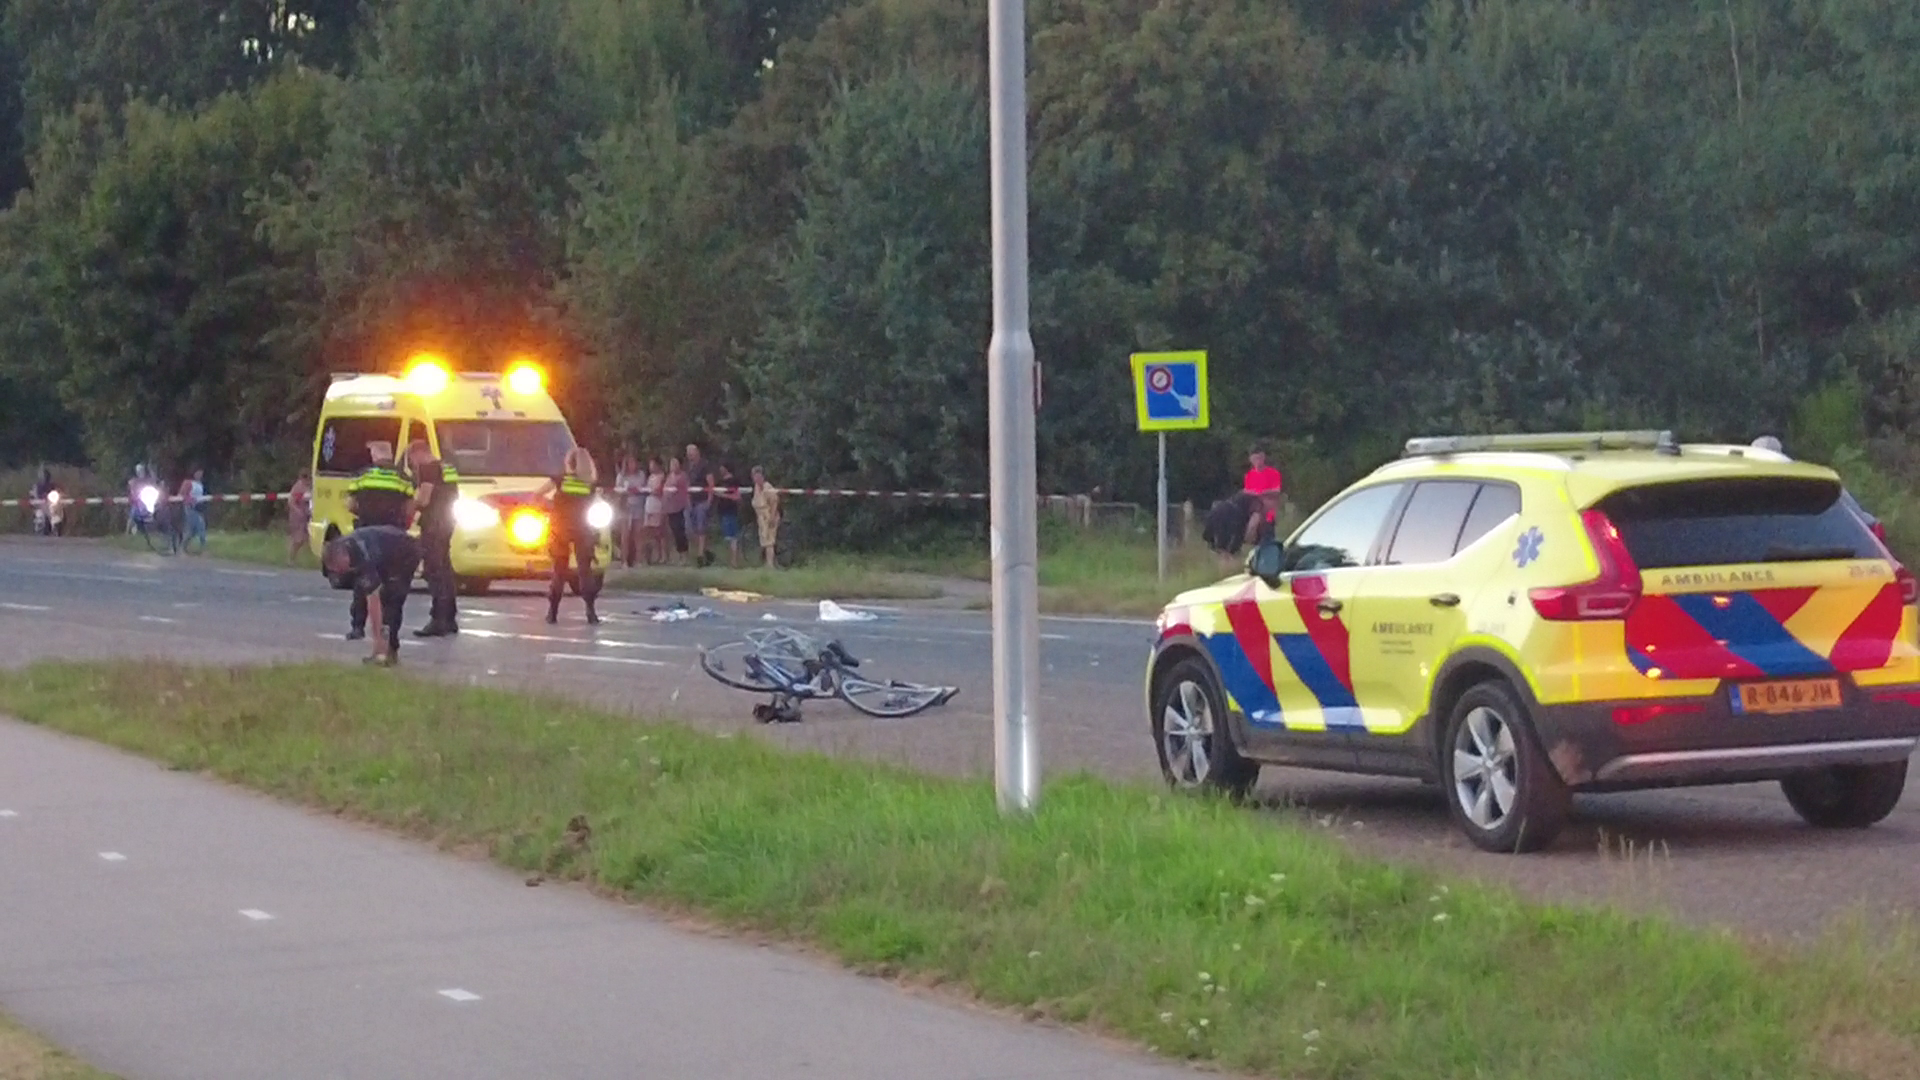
<point>1529,547</point>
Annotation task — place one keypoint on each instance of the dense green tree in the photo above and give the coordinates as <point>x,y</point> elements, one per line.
<point>871,367</point>
<point>164,297</point>
<point>436,214</point>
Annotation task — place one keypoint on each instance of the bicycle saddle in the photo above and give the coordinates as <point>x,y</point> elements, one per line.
<point>841,654</point>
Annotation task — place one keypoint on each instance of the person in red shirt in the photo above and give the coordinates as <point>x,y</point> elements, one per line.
<point>1263,479</point>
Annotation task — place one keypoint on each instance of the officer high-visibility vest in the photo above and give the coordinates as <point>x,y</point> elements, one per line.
<point>380,497</point>
<point>570,503</point>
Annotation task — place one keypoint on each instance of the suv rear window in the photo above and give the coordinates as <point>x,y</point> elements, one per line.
<point>1727,522</point>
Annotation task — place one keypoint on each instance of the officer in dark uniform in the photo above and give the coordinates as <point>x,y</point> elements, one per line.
<point>435,487</point>
<point>380,560</point>
<point>569,534</point>
<point>378,496</point>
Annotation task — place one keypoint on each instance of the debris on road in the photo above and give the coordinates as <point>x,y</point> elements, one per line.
<point>678,611</point>
<point>737,596</point>
<point>832,612</point>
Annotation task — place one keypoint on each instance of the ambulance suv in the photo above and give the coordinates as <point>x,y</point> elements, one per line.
<point>502,432</point>
<point>1516,618</point>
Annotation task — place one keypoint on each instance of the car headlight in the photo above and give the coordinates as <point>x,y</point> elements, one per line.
<point>600,514</point>
<point>474,514</point>
<point>150,498</point>
<point>528,528</point>
<point>53,498</point>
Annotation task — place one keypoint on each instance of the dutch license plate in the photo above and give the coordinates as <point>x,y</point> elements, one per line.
<point>1785,697</point>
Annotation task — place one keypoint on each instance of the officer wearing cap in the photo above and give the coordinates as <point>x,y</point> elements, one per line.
<point>378,496</point>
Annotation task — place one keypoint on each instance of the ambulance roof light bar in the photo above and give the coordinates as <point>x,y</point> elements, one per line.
<point>1543,443</point>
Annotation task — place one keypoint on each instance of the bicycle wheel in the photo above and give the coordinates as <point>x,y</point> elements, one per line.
<point>740,665</point>
<point>894,699</point>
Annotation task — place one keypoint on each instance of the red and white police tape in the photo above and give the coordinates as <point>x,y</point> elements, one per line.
<point>841,493</point>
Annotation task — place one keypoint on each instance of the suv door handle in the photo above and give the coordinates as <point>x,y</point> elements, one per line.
<point>1329,607</point>
<point>1445,599</point>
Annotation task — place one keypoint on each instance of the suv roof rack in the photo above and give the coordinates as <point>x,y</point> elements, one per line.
<point>1546,442</point>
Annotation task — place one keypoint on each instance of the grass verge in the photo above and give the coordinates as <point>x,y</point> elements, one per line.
<point>26,1056</point>
<point>262,547</point>
<point>1201,930</point>
<point>823,577</point>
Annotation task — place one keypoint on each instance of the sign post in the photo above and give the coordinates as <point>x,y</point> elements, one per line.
<point>1169,394</point>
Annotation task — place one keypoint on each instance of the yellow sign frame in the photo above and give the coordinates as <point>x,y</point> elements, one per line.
<point>1142,362</point>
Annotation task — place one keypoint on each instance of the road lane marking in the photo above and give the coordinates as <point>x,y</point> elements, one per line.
<point>9,813</point>
<point>25,607</point>
<point>113,856</point>
<point>244,573</point>
<point>182,605</point>
<point>459,995</point>
<point>159,619</point>
<point>256,914</point>
<point>120,578</point>
<point>607,659</point>
<point>553,640</point>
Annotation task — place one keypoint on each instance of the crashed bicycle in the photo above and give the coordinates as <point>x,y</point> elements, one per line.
<point>792,668</point>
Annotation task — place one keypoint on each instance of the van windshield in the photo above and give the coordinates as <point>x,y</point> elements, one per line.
<point>505,447</point>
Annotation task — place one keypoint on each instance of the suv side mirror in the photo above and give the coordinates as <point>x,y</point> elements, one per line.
<point>1267,562</point>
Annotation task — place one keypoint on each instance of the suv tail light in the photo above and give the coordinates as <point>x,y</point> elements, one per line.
<point>1909,587</point>
<point>1611,595</point>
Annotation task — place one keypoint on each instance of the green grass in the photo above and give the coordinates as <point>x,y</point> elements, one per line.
<point>263,547</point>
<point>1201,930</point>
<point>26,1056</point>
<point>824,577</point>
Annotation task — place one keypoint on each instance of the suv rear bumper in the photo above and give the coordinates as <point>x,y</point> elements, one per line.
<point>1711,744</point>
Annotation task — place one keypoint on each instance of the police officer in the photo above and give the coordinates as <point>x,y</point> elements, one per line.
<point>436,486</point>
<point>378,496</point>
<point>570,534</point>
<point>380,560</point>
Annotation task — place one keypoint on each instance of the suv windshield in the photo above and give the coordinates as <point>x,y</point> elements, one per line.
<point>505,447</point>
<point>1728,522</point>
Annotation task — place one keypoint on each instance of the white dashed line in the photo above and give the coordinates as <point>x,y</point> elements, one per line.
<point>615,643</point>
<point>633,660</point>
<point>25,607</point>
<point>459,995</point>
<point>9,813</point>
<point>244,573</point>
<point>113,856</point>
<point>256,914</point>
<point>158,619</point>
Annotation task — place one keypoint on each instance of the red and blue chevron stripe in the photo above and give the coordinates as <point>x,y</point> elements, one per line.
<point>1744,635</point>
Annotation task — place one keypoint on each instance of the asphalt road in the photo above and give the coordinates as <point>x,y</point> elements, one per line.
<point>1734,855</point>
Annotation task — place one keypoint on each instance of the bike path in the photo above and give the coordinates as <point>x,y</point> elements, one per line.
<point>162,925</point>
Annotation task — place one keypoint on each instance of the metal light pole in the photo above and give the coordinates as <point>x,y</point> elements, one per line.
<point>1010,425</point>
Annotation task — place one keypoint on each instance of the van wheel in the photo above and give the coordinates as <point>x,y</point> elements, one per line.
<point>1191,734</point>
<point>1846,796</point>
<point>1501,789</point>
<point>474,586</point>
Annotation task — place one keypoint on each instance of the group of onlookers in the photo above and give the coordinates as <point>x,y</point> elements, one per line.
<point>181,513</point>
<point>665,512</point>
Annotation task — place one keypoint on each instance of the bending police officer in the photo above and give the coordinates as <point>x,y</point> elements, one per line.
<point>380,560</point>
<point>436,486</point>
<point>378,496</point>
<point>569,532</point>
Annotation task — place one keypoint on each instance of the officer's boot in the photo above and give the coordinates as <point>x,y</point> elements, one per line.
<point>593,617</point>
